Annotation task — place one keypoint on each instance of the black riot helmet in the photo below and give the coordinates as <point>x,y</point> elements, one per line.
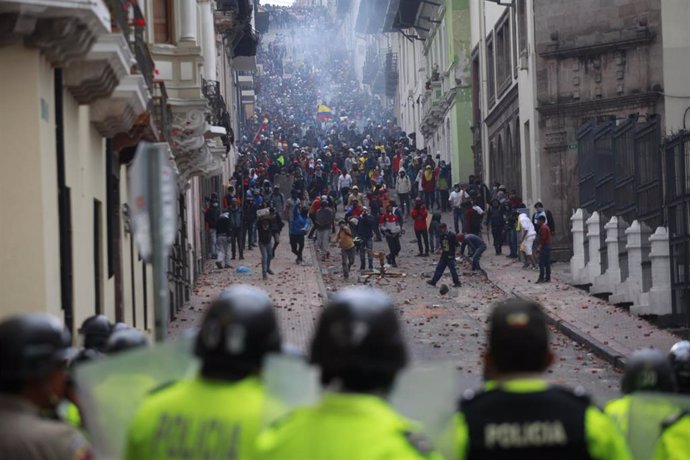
<point>358,341</point>
<point>680,361</point>
<point>32,346</point>
<point>125,340</point>
<point>95,331</point>
<point>239,329</point>
<point>648,370</point>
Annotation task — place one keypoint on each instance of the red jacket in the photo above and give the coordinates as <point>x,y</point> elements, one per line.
<point>419,217</point>
<point>428,185</point>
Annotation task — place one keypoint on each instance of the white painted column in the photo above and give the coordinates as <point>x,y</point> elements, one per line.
<point>208,36</point>
<point>577,262</point>
<point>593,237</point>
<point>629,291</point>
<point>188,21</point>
<point>658,300</point>
<point>608,280</point>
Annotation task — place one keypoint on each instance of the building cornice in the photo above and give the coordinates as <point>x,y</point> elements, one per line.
<point>599,105</point>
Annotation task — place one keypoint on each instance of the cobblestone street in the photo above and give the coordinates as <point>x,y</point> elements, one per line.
<point>439,327</point>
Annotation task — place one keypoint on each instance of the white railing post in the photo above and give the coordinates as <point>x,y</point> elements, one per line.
<point>658,300</point>
<point>577,262</point>
<point>608,280</point>
<point>593,237</point>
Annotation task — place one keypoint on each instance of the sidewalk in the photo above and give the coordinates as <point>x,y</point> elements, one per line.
<point>610,331</point>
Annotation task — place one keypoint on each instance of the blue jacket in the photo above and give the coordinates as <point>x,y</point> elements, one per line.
<point>298,222</point>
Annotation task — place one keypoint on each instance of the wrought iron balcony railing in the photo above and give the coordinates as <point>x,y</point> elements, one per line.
<point>218,115</point>
<point>161,112</point>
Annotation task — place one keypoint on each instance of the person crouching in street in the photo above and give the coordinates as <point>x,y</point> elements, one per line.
<point>389,224</point>
<point>419,214</point>
<point>448,246</point>
<point>347,247</point>
<point>477,247</point>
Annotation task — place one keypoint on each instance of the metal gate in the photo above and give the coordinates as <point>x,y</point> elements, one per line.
<point>677,204</point>
<point>619,169</point>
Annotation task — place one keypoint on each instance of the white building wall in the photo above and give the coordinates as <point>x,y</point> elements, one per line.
<point>675,17</point>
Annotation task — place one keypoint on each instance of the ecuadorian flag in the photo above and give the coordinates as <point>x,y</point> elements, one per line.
<point>323,112</point>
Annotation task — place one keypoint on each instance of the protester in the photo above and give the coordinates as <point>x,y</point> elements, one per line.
<point>344,240</point>
<point>419,217</point>
<point>476,248</point>
<point>448,247</point>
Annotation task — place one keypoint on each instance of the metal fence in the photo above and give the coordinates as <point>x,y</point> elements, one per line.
<point>619,168</point>
<point>677,203</point>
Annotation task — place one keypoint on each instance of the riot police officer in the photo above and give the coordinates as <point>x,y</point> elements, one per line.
<point>125,339</point>
<point>95,331</point>
<point>519,415</point>
<point>680,360</point>
<point>359,348</point>
<point>217,414</point>
<point>645,370</point>
<point>33,355</point>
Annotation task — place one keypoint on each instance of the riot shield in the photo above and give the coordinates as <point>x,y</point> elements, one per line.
<point>289,382</point>
<point>111,389</point>
<point>648,410</point>
<point>427,394</point>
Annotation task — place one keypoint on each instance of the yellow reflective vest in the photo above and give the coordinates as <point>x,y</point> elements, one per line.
<point>198,419</point>
<point>344,426</point>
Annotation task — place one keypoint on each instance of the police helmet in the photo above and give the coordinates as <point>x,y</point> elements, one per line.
<point>680,360</point>
<point>239,329</point>
<point>95,331</point>
<point>32,346</point>
<point>648,370</point>
<point>124,340</point>
<point>358,341</point>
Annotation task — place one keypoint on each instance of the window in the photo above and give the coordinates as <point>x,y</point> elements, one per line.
<point>500,52</point>
<point>513,36</point>
<point>476,93</point>
<point>97,259</point>
<point>522,24</point>
<point>503,64</point>
<point>163,21</point>
<point>490,81</point>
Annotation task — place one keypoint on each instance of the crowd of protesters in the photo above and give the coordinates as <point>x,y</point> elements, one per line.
<point>319,148</point>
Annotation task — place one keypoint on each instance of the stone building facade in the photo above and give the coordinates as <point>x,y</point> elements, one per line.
<point>596,61</point>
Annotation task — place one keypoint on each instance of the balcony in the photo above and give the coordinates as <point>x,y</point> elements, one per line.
<point>63,30</point>
<point>391,73</point>
<point>245,80</point>
<point>218,117</point>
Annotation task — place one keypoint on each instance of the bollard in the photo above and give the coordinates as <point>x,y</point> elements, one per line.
<point>637,243</point>
<point>658,300</point>
<point>593,267</point>
<point>577,262</point>
<point>605,283</point>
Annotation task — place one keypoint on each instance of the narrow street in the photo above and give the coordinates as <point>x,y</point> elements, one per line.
<point>439,328</point>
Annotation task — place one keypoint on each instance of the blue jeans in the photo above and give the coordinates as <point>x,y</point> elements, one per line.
<point>434,240</point>
<point>545,263</point>
<point>366,246</point>
<point>266,253</point>
<point>446,261</point>
<point>458,218</point>
<point>475,257</point>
